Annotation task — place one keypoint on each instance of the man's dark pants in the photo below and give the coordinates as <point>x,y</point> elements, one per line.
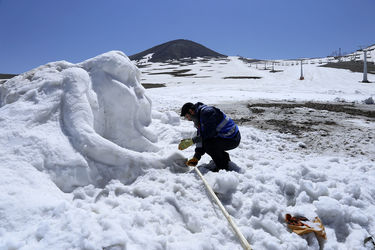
<point>216,147</point>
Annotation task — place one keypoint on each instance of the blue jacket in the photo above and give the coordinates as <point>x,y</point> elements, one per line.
<point>213,123</point>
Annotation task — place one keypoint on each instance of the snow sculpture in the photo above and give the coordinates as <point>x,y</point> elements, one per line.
<point>82,123</point>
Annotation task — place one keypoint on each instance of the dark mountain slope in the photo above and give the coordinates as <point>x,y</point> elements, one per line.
<point>176,49</point>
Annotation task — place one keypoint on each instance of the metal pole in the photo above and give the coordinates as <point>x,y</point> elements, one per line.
<point>301,77</point>
<point>240,236</point>
<point>365,66</point>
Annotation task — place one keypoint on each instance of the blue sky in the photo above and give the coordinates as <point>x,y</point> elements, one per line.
<point>34,32</point>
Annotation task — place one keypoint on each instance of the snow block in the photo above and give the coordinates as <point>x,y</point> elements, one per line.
<point>82,123</point>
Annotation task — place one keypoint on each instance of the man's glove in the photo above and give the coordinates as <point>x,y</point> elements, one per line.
<point>185,143</point>
<point>192,162</point>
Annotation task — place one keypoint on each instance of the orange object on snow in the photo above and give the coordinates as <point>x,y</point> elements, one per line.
<point>301,225</point>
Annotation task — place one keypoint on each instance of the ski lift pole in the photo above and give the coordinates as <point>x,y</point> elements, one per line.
<point>240,236</point>
<point>365,66</point>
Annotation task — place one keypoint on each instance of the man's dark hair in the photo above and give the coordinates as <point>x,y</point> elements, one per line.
<point>185,108</point>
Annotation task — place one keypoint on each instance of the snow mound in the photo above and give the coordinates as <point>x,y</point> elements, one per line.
<point>81,123</point>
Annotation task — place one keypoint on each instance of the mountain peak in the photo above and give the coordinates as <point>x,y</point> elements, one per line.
<point>176,49</point>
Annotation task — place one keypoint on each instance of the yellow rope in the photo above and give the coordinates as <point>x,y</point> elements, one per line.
<point>240,236</point>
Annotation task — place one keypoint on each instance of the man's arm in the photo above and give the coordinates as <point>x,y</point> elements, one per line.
<point>199,151</point>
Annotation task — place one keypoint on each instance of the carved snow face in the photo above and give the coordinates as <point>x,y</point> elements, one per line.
<point>81,123</point>
<point>124,111</point>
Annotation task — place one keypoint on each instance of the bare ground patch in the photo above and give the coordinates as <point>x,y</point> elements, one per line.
<point>348,108</point>
<point>176,73</point>
<point>153,85</point>
<point>242,77</point>
<point>314,126</point>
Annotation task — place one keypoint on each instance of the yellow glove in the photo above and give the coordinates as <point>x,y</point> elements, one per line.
<point>185,143</point>
<point>192,162</point>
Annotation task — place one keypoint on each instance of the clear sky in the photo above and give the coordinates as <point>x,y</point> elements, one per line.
<point>34,32</point>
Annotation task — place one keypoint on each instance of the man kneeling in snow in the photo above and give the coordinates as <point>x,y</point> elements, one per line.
<point>216,133</point>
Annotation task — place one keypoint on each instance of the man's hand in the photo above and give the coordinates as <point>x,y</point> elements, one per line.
<point>192,162</point>
<point>185,143</point>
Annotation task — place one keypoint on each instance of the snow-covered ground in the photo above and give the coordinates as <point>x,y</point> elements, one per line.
<point>89,157</point>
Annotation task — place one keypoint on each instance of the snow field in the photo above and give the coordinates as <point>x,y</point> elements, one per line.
<point>89,130</point>
<point>320,84</point>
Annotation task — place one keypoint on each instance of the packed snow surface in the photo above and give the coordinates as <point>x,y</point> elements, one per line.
<point>87,162</point>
